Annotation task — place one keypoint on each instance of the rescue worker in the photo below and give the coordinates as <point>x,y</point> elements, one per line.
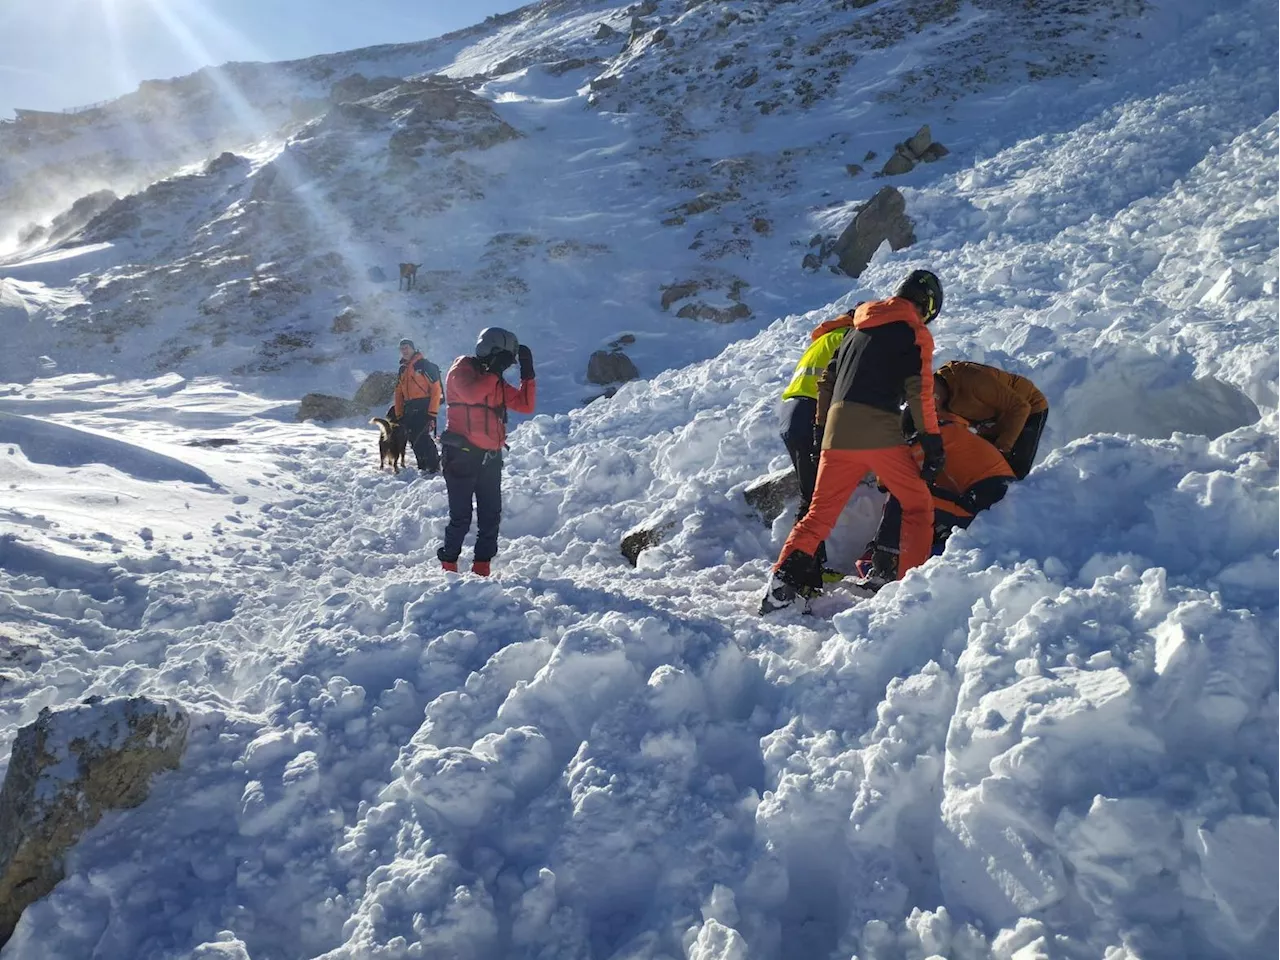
<point>974,478</point>
<point>476,432</point>
<point>798,411</point>
<point>417,404</point>
<point>887,358</point>
<point>1006,409</point>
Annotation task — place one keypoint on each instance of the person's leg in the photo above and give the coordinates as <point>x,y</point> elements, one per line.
<point>414,421</point>
<point>839,472</point>
<point>1022,456</point>
<point>488,508</point>
<point>461,472</point>
<point>898,470</point>
<point>424,450</point>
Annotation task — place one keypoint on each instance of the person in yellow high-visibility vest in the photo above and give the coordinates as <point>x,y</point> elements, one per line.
<point>798,412</point>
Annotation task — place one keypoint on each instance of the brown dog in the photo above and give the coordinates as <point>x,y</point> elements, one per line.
<point>408,272</point>
<point>392,441</point>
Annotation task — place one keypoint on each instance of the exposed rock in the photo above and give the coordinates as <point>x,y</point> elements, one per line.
<point>768,495</point>
<point>377,390</point>
<point>610,366</point>
<point>871,155</point>
<point>358,87</point>
<point>762,226</point>
<point>935,151</point>
<point>678,291</point>
<point>883,217</point>
<point>918,144</point>
<point>345,322</point>
<point>323,407</point>
<point>608,393</point>
<point>604,83</point>
<point>644,535</point>
<point>853,169</point>
<point>747,79</point>
<point>561,67</point>
<point>811,261</point>
<point>377,274</point>
<point>223,162</point>
<point>704,311</point>
<point>66,770</point>
<point>897,164</point>
<point>605,32</point>
<point>623,341</point>
<point>645,9</point>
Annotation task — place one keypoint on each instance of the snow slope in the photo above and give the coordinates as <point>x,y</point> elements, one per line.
<point>1057,740</point>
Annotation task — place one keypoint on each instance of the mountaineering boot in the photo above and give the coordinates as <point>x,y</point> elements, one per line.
<point>797,575</point>
<point>445,563</point>
<point>882,568</point>
<point>480,568</point>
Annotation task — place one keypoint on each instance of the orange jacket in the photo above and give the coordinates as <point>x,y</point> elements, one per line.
<point>418,378</point>
<point>479,400</point>
<point>970,460</point>
<point>982,393</point>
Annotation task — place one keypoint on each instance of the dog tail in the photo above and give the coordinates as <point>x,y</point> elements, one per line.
<point>384,426</point>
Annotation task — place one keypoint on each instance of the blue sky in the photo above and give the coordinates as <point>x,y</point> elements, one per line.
<point>62,53</point>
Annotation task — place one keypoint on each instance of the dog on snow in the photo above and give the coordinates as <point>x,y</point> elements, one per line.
<point>392,441</point>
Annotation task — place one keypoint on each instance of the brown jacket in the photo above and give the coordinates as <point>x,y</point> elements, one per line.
<point>980,393</point>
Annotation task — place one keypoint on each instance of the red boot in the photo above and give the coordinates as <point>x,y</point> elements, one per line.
<point>450,565</point>
<point>480,568</point>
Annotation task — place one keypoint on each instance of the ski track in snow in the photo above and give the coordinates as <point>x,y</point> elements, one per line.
<point>1057,740</point>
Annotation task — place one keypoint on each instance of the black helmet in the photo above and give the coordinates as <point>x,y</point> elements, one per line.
<point>923,289</point>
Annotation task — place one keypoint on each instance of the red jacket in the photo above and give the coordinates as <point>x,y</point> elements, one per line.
<point>478,401</point>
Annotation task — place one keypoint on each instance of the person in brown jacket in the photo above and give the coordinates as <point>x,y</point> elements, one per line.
<point>1007,409</point>
<point>886,360</point>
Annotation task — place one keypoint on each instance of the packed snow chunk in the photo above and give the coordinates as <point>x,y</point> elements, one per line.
<point>227,947</point>
<point>1126,854</point>
<point>715,941</point>
<point>1239,857</point>
<point>421,905</point>
<point>1214,668</point>
<point>1123,388</point>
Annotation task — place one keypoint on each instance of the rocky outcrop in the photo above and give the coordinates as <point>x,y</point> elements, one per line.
<point>358,87</point>
<point>768,496</point>
<point>882,218</point>
<point>705,311</point>
<point>66,770</point>
<point>644,535</point>
<point>377,390</point>
<point>610,366</point>
<point>325,408</point>
<point>915,149</point>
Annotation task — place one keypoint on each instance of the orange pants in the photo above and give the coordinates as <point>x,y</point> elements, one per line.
<point>839,473</point>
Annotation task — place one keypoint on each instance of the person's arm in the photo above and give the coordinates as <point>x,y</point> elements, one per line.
<point>1012,410</point>
<point>398,402</point>
<point>918,385</point>
<point>521,399</point>
<point>826,391</point>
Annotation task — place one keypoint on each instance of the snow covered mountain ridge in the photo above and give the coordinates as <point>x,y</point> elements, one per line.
<point>1057,740</point>
<point>717,137</point>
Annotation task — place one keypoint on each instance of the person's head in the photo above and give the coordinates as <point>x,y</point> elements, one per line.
<point>923,289</point>
<point>941,391</point>
<point>496,348</point>
<point>407,348</point>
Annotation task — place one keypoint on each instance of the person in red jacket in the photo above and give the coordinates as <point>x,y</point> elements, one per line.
<point>477,401</point>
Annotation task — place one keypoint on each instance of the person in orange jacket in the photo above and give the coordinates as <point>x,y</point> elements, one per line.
<point>417,404</point>
<point>887,358</point>
<point>475,435</point>
<point>975,477</point>
<point>1007,409</point>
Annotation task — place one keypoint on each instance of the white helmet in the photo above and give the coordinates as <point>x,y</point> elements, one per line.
<point>495,340</point>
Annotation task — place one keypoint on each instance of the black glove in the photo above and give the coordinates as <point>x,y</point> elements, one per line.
<point>525,356</point>
<point>819,429</point>
<point>431,423</point>
<point>934,456</point>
